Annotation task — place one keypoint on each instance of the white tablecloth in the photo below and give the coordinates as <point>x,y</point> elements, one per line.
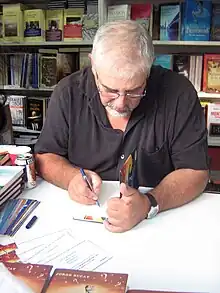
<point>178,250</point>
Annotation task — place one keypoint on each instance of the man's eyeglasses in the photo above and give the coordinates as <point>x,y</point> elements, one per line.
<point>105,92</point>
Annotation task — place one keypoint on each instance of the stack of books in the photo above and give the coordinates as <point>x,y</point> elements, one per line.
<point>11,182</point>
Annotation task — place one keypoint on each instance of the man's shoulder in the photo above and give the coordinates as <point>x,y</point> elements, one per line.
<point>170,82</point>
<point>75,81</point>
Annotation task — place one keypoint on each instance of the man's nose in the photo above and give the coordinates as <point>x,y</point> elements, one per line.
<point>120,101</point>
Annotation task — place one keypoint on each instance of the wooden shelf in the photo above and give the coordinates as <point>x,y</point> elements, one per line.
<point>25,130</point>
<point>26,92</point>
<point>89,43</point>
<point>186,43</point>
<point>47,44</point>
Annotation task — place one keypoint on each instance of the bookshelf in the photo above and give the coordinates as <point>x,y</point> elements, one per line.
<point>25,130</point>
<point>161,47</point>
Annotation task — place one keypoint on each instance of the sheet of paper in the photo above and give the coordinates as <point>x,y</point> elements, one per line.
<point>94,212</point>
<point>62,250</point>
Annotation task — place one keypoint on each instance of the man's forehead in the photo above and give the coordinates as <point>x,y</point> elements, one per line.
<point>113,80</point>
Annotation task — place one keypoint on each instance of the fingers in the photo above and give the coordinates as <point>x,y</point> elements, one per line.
<point>84,200</point>
<point>96,182</point>
<point>79,190</point>
<point>127,192</point>
<point>112,228</point>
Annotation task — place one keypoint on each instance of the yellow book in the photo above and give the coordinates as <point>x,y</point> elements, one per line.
<point>73,24</point>
<point>1,27</point>
<point>34,25</point>
<point>13,23</point>
<point>54,25</point>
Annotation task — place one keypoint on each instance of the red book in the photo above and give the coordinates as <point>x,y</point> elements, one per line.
<point>33,275</point>
<point>211,73</point>
<point>74,281</point>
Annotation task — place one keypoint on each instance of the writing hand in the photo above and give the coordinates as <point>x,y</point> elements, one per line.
<point>79,190</point>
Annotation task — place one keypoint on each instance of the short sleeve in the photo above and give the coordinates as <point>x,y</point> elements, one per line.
<point>189,147</point>
<point>54,135</point>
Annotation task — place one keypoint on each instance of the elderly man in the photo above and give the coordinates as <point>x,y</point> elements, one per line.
<point>101,114</point>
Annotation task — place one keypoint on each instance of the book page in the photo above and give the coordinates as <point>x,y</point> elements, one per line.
<point>62,249</point>
<point>95,213</point>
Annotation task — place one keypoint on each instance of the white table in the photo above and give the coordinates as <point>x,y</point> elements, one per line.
<point>179,250</point>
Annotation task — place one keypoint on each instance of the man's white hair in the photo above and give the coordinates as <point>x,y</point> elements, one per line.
<point>124,47</point>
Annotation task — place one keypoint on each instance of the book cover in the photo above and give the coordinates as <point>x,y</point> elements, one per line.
<point>169,22</point>
<point>36,108</point>
<point>197,20</point>
<point>54,25</point>
<point>67,63</point>
<point>215,28</point>
<point>13,19</point>
<point>165,61</point>
<point>33,275</point>
<point>34,25</point>
<point>127,173</point>
<point>211,73</point>
<point>1,27</point>
<point>48,71</point>
<point>181,64</point>
<point>119,12</point>
<point>77,281</point>
<point>213,123</point>
<point>73,18</point>
<point>18,109</point>
<point>90,26</point>
<point>142,13</point>
<point>156,22</point>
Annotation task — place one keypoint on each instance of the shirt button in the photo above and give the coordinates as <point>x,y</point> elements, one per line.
<point>122,157</point>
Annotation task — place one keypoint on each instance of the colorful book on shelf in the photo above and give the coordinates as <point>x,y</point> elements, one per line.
<point>165,61</point>
<point>119,12</point>
<point>54,25</point>
<point>34,25</point>
<point>169,22</point>
<point>215,28</point>
<point>196,20</point>
<point>13,19</point>
<point>73,24</point>
<point>211,73</point>
<point>142,13</point>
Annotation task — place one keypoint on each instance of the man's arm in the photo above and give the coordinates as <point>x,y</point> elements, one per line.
<point>55,169</point>
<point>180,187</point>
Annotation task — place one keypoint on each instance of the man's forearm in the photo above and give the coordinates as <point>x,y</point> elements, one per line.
<point>180,187</point>
<point>55,169</point>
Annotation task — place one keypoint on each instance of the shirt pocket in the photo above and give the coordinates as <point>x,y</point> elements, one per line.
<point>154,166</point>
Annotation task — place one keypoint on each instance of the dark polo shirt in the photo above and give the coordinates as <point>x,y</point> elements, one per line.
<point>168,128</point>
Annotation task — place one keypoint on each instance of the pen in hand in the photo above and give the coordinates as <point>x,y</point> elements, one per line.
<point>88,182</point>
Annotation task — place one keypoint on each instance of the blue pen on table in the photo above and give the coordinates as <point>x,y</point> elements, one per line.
<point>88,183</point>
<point>31,223</point>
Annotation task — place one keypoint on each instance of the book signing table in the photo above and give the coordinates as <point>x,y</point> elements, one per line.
<point>178,250</point>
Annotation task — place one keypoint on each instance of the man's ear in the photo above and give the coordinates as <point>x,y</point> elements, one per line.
<point>90,57</point>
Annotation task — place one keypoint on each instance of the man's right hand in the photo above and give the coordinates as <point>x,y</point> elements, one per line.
<point>79,190</point>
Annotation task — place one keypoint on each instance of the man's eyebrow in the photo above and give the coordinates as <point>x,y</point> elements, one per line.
<point>116,90</point>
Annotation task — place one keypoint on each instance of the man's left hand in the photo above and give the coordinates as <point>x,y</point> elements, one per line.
<point>126,212</point>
